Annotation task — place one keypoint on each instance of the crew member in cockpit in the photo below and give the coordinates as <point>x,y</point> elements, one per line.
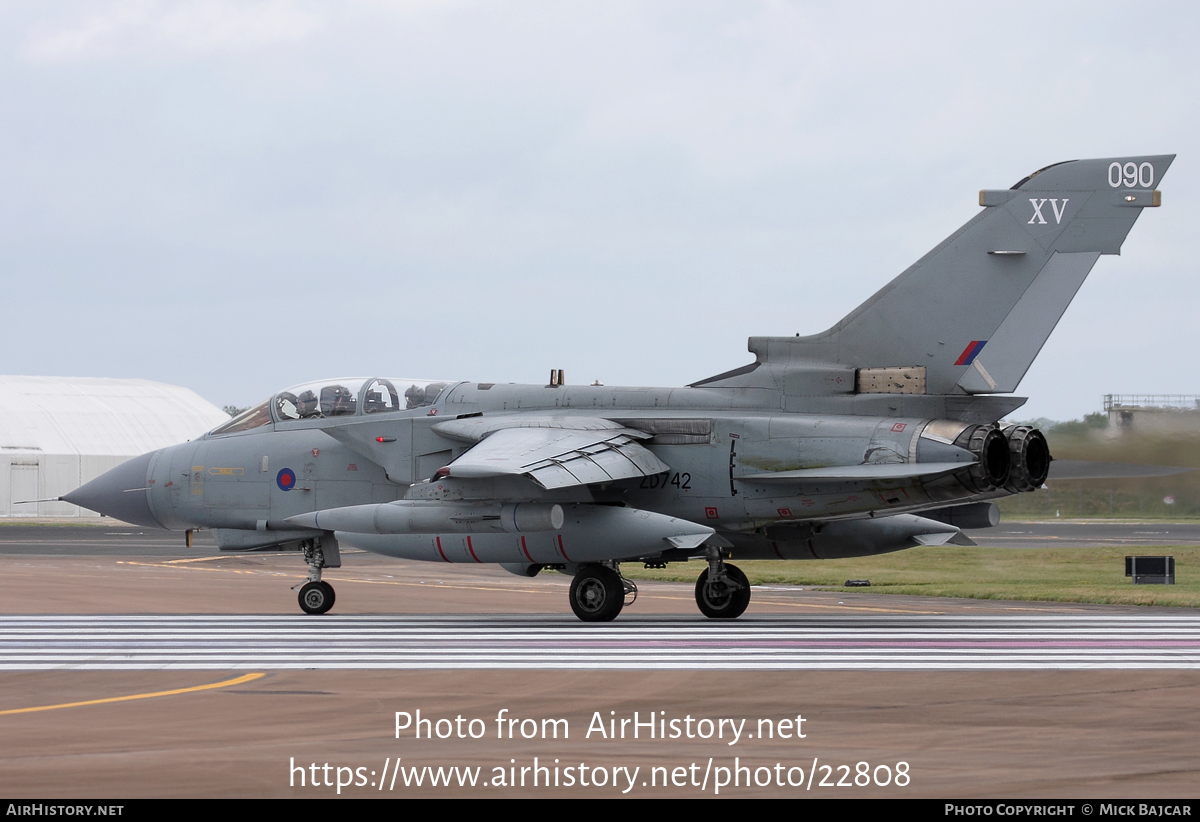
<point>415,397</point>
<point>306,404</point>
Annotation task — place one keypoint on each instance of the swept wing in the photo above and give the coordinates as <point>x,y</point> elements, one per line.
<point>554,453</point>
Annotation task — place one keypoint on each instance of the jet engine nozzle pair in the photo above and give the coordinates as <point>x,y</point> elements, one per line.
<point>1016,458</point>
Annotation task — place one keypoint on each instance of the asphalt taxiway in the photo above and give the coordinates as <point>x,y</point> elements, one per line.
<point>1058,533</point>
<point>177,672</point>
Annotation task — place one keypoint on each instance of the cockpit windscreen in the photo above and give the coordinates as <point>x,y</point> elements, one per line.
<point>337,398</point>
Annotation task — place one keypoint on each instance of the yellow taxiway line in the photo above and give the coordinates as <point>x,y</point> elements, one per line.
<point>238,681</point>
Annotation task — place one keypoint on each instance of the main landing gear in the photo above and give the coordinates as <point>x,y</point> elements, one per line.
<point>722,591</point>
<point>598,593</point>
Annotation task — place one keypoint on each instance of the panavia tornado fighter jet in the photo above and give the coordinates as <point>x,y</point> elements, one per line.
<point>877,435</point>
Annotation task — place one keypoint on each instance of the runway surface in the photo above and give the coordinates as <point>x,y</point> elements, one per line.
<point>106,697</point>
<point>1086,534</point>
<point>98,539</point>
<point>550,643</point>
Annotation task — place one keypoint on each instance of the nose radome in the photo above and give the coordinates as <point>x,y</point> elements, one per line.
<point>120,493</point>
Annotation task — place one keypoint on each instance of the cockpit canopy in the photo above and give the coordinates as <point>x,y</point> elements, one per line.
<point>336,398</point>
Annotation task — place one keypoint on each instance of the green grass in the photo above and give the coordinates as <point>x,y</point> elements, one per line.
<point>1095,575</point>
<point>1141,498</point>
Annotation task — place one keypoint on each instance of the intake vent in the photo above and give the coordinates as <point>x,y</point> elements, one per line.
<point>890,380</point>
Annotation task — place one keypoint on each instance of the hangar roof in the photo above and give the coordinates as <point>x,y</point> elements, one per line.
<point>101,416</point>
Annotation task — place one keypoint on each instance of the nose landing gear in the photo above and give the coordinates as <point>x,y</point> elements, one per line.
<point>316,596</point>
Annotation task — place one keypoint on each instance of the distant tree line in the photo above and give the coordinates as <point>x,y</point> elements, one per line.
<point>1090,422</point>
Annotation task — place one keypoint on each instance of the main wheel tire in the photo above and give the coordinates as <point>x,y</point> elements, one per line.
<point>597,594</point>
<point>728,604</point>
<point>316,597</point>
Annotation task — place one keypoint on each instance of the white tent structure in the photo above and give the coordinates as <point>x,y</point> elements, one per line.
<point>57,433</point>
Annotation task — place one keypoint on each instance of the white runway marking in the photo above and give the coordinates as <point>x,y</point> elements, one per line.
<point>785,643</point>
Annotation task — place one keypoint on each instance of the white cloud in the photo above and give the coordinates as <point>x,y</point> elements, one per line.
<point>165,29</point>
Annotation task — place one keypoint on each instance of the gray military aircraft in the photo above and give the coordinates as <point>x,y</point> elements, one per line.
<point>876,435</point>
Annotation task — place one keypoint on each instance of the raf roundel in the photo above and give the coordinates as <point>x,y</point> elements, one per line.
<point>286,479</point>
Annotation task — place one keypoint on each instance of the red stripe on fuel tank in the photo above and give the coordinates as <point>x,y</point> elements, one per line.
<point>526,550</point>
<point>472,550</point>
<point>439,547</point>
<point>562,550</point>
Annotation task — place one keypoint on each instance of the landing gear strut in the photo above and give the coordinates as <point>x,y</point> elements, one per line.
<point>597,593</point>
<point>317,597</point>
<point>722,591</point>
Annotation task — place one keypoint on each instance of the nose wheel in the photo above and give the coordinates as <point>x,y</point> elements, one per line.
<point>316,597</point>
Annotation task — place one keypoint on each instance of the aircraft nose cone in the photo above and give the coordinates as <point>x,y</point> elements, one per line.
<point>121,493</point>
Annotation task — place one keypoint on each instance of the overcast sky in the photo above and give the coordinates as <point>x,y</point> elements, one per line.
<point>239,196</point>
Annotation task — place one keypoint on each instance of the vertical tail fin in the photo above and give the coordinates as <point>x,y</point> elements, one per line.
<point>976,310</point>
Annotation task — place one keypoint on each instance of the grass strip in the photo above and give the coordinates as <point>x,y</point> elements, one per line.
<point>1094,575</point>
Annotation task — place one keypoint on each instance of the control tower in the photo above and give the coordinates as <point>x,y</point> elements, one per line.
<point>1152,413</point>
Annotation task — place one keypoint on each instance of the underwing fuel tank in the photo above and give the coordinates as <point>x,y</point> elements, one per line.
<point>587,533</point>
<point>421,517</point>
